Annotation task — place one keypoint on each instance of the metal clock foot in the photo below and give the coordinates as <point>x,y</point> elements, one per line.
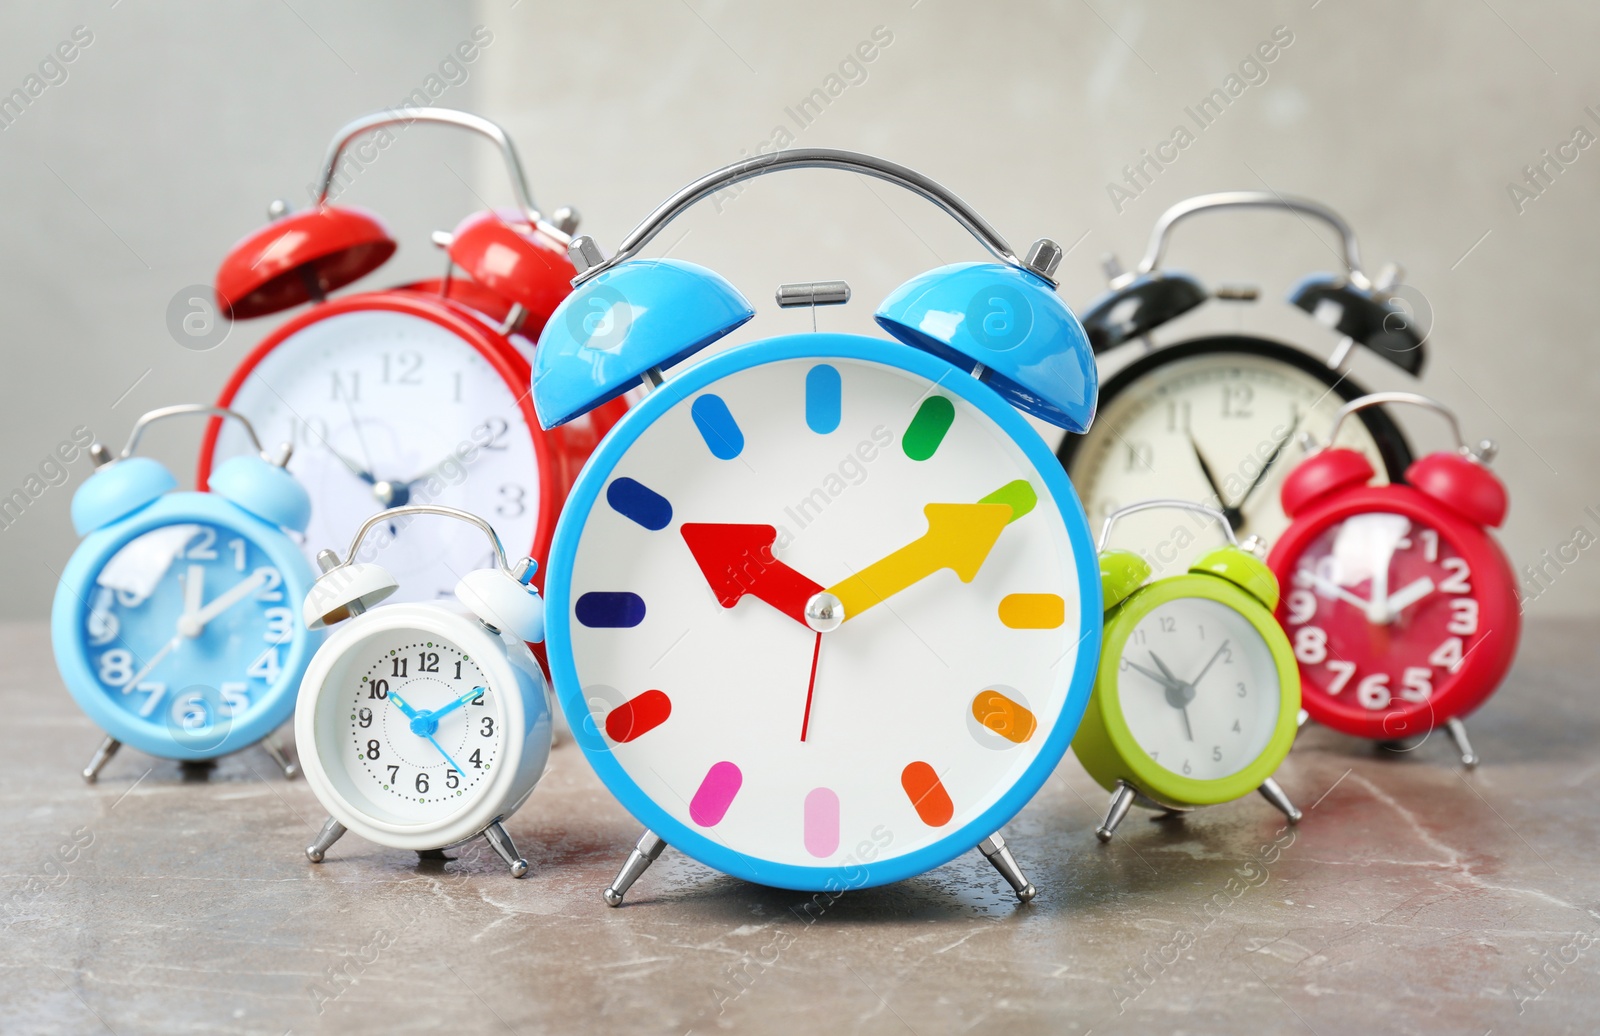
<point>994,850</point>
<point>1302,719</point>
<point>1458,734</point>
<point>1272,793</point>
<point>330,833</point>
<point>497,835</point>
<point>643,855</point>
<point>102,755</point>
<point>1121,802</point>
<point>280,755</point>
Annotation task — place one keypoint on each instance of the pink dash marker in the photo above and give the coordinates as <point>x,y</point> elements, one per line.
<point>710,803</point>
<point>822,822</point>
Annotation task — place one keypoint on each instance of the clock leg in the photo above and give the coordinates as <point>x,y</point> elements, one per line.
<point>994,850</point>
<point>497,835</point>
<point>1458,734</point>
<point>1121,802</point>
<point>280,755</point>
<point>102,755</point>
<point>1302,719</point>
<point>330,833</point>
<point>643,855</point>
<point>1272,793</point>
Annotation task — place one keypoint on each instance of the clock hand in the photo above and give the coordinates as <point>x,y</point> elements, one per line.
<point>1152,674</point>
<point>816,655</point>
<point>1408,595</point>
<point>155,660</point>
<point>424,723</point>
<point>1261,476</point>
<point>1233,514</point>
<point>1328,586</point>
<point>1170,679</point>
<point>446,755</point>
<point>738,560</point>
<point>1179,694</point>
<point>470,696</point>
<point>959,537</point>
<point>1195,683</point>
<point>194,591</point>
<point>192,624</point>
<point>412,714</point>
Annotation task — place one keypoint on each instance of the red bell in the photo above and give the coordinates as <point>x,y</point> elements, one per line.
<point>511,257</point>
<point>465,291</point>
<point>1325,472</point>
<point>1461,484</point>
<point>301,257</point>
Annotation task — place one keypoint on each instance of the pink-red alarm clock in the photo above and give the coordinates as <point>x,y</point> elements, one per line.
<point>412,395</point>
<point>1400,604</point>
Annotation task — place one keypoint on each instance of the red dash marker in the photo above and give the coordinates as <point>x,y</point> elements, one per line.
<point>638,716</point>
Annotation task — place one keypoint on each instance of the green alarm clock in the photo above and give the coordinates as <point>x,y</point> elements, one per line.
<point>1197,696</point>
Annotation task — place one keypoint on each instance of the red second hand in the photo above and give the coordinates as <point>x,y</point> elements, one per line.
<point>816,654</point>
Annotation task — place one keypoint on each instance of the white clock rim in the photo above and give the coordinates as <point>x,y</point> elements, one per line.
<point>492,800</point>
<point>586,491</point>
<point>273,708</point>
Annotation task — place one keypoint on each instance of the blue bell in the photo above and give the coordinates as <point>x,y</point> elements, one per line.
<point>117,490</point>
<point>265,490</point>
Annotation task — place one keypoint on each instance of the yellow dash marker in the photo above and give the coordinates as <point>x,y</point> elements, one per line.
<point>1010,719</point>
<point>1033,611</point>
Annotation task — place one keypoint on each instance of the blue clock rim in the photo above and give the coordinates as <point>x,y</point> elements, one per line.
<point>275,707</point>
<point>591,481</point>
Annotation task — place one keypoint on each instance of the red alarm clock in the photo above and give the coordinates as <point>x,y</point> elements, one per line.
<point>414,395</point>
<point>1400,604</point>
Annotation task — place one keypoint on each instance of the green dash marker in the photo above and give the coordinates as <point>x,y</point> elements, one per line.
<point>927,429</point>
<point>1018,495</point>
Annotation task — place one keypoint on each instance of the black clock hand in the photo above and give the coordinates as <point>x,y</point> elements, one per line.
<point>1179,694</point>
<point>1195,683</point>
<point>1233,514</point>
<point>1262,475</point>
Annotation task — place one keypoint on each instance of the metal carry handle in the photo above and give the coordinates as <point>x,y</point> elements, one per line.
<point>384,517</point>
<point>197,408</point>
<point>821,158</point>
<point>1164,504</point>
<point>444,117</point>
<point>1482,452</point>
<point>1254,200</point>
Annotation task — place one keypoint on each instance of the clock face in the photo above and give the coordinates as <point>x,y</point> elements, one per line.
<point>386,408</point>
<point>188,626</point>
<point>408,729</point>
<point>960,656</point>
<point>1210,426</point>
<point>1381,609</point>
<point>1198,688</point>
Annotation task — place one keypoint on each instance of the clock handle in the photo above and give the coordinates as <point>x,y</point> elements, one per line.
<point>1041,259</point>
<point>385,517</point>
<point>1254,200</point>
<point>1483,452</point>
<point>443,117</point>
<point>183,409</point>
<point>1165,504</point>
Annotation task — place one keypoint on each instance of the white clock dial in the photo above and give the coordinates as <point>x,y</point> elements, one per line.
<point>386,408</point>
<point>879,737</point>
<point>1198,688</point>
<point>411,730</point>
<point>1233,409</point>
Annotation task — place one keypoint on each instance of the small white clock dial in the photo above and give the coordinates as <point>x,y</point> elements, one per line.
<point>387,408</point>
<point>1198,688</point>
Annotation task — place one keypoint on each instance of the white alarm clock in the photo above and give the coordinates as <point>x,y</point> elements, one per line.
<point>424,725</point>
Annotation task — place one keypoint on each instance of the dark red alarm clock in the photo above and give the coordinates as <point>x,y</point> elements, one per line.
<point>1400,604</point>
<point>413,395</point>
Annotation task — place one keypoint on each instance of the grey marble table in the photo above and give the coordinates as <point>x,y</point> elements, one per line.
<point>1414,898</point>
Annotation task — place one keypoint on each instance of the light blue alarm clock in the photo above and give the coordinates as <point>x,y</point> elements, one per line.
<point>175,623</point>
<point>823,610</point>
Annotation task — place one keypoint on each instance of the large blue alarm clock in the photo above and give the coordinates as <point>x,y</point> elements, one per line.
<point>823,610</point>
<point>174,623</point>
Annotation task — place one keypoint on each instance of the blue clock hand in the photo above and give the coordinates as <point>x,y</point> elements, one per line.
<point>412,714</point>
<point>473,695</point>
<point>446,755</point>
<point>424,723</point>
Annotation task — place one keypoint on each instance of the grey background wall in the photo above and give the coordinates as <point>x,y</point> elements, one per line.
<point>143,158</point>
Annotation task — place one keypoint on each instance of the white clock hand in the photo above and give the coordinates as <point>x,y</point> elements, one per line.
<point>1331,588</point>
<point>1408,595</point>
<point>194,589</point>
<point>192,624</point>
<point>155,660</point>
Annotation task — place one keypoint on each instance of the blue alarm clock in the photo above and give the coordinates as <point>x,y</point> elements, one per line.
<point>174,623</point>
<point>823,610</point>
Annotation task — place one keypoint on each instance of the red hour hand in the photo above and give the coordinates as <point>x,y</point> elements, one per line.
<point>738,560</point>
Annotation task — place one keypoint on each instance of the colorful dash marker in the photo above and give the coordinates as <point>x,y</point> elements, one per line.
<point>638,716</point>
<point>1033,611</point>
<point>715,794</point>
<point>822,398</point>
<point>604,609</point>
<point>927,794</point>
<point>717,426</point>
<point>640,503</point>
<point>1010,719</point>
<point>927,428</point>
<point>822,822</point>
<point>1018,495</point>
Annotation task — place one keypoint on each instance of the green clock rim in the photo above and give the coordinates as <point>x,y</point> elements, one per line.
<point>1124,756</point>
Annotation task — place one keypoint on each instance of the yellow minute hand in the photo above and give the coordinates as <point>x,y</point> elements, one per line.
<point>959,537</point>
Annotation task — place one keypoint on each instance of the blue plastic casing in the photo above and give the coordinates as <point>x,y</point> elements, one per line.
<point>1035,353</point>
<point>640,314</point>
<point>559,609</point>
